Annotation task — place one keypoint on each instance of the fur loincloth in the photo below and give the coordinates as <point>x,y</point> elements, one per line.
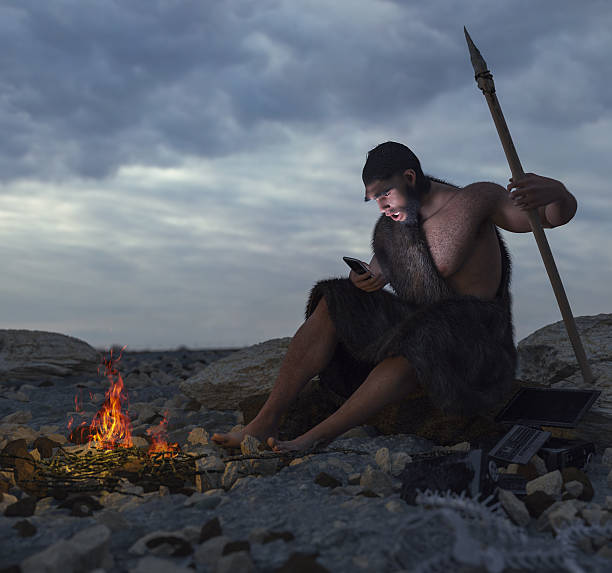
<point>461,347</point>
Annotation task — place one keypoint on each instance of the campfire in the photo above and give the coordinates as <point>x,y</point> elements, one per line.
<point>108,453</point>
<point>111,427</point>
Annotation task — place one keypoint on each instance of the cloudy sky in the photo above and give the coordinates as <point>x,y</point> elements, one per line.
<point>180,172</point>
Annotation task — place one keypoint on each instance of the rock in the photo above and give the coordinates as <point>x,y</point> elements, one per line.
<point>210,551</point>
<point>539,465</point>
<point>302,563</point>
<point>558,515</point>
<point>25,528</point>
<point>246,372</point>
<point>151,564</point>
<point>6,500</point>
<point>546,358</point>
<point>19,417</point>
<point>32,354</point>
<point>606,458</point>
<point>325,480</point>
<point>609,479</point>
<point>592,516</point>
<point>251,445</point>
<point>399,461</point>
<point>85,551</point>
<point>198,436</point>
<point>574,474</point>
<point>574,488</point>
<point>45,446</point>
<point>163,543</point>
<point>236,562</point>
<point>211,470</point>
<point>210,529</point>
<point>537,503</point>
<point>514,507</point>
<point>550,483</point>
<point>383,459</point>
<point>25,507</point>
<point>377,481</point>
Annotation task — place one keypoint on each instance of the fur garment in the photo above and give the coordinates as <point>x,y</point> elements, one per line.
<point>462,347</point>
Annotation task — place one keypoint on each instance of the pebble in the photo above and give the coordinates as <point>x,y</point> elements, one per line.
<point>550,483</point>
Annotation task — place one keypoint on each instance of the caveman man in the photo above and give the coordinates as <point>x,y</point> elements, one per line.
<point>446,327</point>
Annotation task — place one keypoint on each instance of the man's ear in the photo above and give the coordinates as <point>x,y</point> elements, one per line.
<point>410,176</point>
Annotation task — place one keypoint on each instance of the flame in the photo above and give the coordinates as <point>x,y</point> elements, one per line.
<point>111,427</point>
<point>159,443</point>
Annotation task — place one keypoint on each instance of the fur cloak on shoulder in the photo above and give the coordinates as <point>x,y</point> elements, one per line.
<point>462,347</point>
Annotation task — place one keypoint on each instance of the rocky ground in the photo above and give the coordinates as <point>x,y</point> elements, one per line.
<point>339,509</point>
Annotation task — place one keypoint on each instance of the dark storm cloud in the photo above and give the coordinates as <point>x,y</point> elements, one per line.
<point>89,86</point>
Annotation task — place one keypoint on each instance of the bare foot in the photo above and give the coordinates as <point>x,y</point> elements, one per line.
<point>300,444</point>
<point>255,429</point>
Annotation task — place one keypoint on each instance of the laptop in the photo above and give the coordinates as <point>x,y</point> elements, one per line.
<point>531,408</point>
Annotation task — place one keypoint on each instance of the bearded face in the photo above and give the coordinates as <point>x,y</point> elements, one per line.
<point>397,197</point>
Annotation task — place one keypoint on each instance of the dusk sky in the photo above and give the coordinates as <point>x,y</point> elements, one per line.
<point>177,172</point>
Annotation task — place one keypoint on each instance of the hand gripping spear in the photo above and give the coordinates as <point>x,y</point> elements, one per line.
<point>484,78</point>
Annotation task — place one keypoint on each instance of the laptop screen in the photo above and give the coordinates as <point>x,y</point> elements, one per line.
<point>548,407</point>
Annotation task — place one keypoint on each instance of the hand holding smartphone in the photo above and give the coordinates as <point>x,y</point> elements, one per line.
<point>358,266</point>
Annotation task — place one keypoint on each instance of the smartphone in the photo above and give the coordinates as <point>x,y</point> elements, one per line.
<point>356,265</point>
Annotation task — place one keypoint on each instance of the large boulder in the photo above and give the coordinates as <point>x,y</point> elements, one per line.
<point>547,358</point>
<point>32,354</point>
<point>246,372</point>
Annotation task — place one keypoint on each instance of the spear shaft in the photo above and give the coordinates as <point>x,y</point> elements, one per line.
<point>484,78</point>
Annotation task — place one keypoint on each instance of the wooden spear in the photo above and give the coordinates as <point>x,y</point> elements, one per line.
<point>484,78</point>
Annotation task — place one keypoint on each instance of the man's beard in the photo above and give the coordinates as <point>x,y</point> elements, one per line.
<point>411,209</point>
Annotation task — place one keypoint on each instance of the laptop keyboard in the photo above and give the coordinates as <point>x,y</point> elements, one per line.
<point>519,445</point>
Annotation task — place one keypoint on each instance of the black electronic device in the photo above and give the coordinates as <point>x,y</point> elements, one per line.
<point>358,266</point>
<point>532,408</point>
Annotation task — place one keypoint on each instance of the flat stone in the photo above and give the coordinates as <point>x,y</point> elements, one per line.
<point>85,551</point>
<point>246,372</point>
<point>32,354</point>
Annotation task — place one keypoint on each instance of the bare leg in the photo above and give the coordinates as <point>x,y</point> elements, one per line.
<point>309,352</point>
<point>393,379</point>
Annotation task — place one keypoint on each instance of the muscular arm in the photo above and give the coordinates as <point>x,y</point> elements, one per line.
<point>555,204</point>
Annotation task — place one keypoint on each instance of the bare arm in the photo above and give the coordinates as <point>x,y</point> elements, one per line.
<point>555,204</point>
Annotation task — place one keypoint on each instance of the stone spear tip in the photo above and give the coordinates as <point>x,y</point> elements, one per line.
<point>478,62</point>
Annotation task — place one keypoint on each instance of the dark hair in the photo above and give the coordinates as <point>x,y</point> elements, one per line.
<point>389,158</point>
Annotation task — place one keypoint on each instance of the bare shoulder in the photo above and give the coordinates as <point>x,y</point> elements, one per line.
<point>482,197</point>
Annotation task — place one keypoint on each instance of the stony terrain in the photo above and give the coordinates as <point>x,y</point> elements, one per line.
<point>337,510</point>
